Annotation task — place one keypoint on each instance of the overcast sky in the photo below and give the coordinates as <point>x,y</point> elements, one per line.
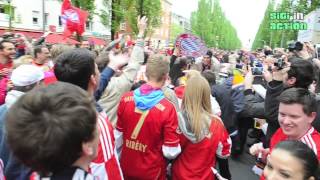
<point>245,15</point>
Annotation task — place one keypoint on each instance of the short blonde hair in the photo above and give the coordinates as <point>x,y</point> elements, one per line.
<point>26,59</point>
<point>157,67</point>
<point>58,49</point>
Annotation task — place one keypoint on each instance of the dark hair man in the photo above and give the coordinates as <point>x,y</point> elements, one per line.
<point>297,111</point>
<point>79,68</point>
<point>41,57</point>
<point>60,125</point>
<point>7,54</point>
<point>299,74</point>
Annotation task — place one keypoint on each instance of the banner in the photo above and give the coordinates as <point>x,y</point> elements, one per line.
<point>191,45</point>
<point>73,18</point>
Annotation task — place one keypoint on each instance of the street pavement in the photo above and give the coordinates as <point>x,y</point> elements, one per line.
<point>240,167</point>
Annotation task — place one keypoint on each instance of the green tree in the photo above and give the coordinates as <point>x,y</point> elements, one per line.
<point>129,10</point>
<point>280,38</point>
<point>175,30</point>
<point>211,25</point>
<point>264,35</point>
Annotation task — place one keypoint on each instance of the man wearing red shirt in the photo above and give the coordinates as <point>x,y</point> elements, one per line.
<point>78,67</point>
<point>146,126</point>
<point>297,110</point>
<point>41,57</point>
<point>7,54</point>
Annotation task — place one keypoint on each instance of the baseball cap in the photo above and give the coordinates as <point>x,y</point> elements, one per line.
<point>25,75</point>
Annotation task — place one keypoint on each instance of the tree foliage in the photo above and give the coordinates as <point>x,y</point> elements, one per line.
<point>129,10</point>
<point>211,25</point>
<point>175,30</point>
<point>280,38</point>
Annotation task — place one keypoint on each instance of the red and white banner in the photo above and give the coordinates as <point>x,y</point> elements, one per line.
<point>191,45</point>
<point>73,18</point>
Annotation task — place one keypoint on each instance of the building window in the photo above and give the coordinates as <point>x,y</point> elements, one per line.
<point>89,25</point>
<point>46,18</point>
<point>2,9</point>
<point>35,17</point>
<point>123,26</point>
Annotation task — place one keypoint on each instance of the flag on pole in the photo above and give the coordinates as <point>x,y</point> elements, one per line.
<point>73,18</point>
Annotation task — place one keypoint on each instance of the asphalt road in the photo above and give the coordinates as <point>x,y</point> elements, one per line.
<point>241,167</point>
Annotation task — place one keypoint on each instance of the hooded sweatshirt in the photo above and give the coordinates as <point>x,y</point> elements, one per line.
<point>185,127</point>
<point>147,97</point>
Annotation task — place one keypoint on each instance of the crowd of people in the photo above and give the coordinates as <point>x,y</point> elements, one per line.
<point>126,112</point>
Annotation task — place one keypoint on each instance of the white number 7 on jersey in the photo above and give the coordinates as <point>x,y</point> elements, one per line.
<point>137,129</point>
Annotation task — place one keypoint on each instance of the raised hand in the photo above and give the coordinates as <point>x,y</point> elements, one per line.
<point>118,61</point>
<point>142,25</point>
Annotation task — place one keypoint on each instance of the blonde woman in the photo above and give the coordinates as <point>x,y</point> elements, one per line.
<point>203,135</point>
<point>181,88</point>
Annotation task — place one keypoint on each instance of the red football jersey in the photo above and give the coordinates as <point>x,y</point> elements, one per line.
<point>196,160</point>
<point>144,134</point>
<point>106,164</point>
<point>311,138</point>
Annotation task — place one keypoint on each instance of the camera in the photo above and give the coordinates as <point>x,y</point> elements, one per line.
<point>257,71</point>
<point>280,64</point>
<point>296,46</point>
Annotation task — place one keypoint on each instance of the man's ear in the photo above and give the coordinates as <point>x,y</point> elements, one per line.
<point>93,80</point>
<point>312,117</point>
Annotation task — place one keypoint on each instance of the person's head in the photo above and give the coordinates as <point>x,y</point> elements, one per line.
<point>85,44</point>
<point>78,67</point>
<point>157,69</point>
<point>7,50</point>
<point>58,122</point>
<point>41,54</point>
<point>26,77</point>
<point>300,74</point>
<point>210,76</point>
<point>291,160</point>
<point>209,53</point>
<point>196,102</point>
<point>58,49</point>
<point>297,110</point>
<point>206,60</point>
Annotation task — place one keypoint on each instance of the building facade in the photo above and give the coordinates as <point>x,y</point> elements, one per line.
<point>161,35</point>
<point>181,21</point>
<point>36,16</point>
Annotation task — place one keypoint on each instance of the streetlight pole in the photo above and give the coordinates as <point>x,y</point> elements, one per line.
<point>43,16</point>
<point>10,19</point>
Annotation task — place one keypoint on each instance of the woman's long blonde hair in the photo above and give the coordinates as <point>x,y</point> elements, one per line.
<point>196,102</point>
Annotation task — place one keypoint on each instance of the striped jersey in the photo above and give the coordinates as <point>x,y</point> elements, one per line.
<point>311,139</point>
<point>106,165</point>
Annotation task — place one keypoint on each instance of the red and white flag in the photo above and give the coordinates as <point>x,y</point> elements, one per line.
<point>73,18</point>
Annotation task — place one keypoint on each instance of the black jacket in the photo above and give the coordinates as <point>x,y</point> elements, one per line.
<point>274,89</point>
<point>253,105</point>
<point>222,93</point>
